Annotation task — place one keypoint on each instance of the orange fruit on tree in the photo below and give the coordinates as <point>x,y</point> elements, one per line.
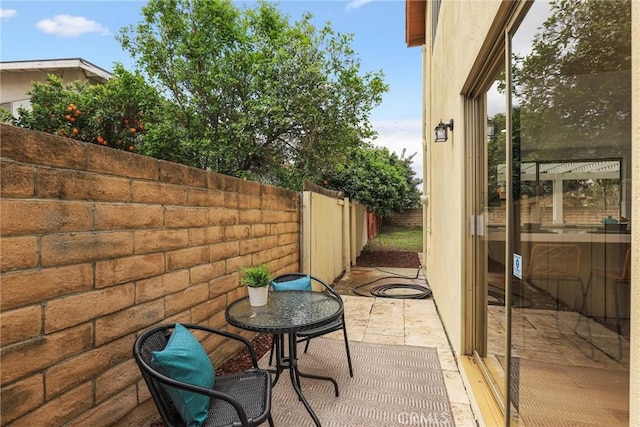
<point>75,131</point>
<point>131,148</point>
<point>68,117</point>
<point>132,130</point>
<point>100,139</point>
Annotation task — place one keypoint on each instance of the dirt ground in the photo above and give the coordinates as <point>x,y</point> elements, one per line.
<point>397,259</point>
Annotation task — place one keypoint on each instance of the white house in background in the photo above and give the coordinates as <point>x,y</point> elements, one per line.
<point>17,77</point>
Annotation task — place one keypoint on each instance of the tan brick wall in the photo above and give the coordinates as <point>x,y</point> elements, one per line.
<point>410,218</point>
<point>97,245</point>
<point>588,215</point>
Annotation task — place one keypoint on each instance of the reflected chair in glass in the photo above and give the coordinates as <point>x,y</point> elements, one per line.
<point>238,399</point>
<point>308,334</point>
<point>555,261</point>
<point>559,262</point>
<point>546,263</point>
<point>618,278</point>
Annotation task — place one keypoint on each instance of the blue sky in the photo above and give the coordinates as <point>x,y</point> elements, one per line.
<point>32,30</point>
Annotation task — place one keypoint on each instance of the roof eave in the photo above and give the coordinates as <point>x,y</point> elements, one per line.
<point>415,22</point>
<point>48,65</point>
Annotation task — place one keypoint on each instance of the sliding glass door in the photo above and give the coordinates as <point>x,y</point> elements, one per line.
<point>554,194</point>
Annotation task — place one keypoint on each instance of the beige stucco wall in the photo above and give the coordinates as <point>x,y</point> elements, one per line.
<point>324,253</point>
<point>15,86</point>
<point>447,68</point>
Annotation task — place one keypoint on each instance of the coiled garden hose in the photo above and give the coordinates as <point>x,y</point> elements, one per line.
<point>383,291</point>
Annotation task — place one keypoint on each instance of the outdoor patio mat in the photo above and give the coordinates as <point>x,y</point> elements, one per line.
<point>547,394</point>
<point>392,386</point>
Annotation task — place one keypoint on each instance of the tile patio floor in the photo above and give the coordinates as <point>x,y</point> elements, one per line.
<point>397,321</point>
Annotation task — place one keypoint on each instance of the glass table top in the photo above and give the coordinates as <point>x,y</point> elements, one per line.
<point>285,311</point>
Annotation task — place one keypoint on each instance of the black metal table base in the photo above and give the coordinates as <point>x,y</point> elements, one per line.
<point>290,362</point>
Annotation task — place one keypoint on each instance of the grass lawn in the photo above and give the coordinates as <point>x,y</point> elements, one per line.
<point>397,239</point>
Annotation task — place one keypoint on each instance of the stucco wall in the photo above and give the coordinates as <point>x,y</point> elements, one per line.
<point>16,85</point>
<point>325,258</point>
<point>99,244</point>
<point>448,66</point>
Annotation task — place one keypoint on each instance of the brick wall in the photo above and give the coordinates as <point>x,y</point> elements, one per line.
<point>98,245</point>
<point>572,215</point>
<point>410,218</point>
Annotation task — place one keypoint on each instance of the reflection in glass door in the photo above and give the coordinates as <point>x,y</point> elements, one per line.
<point>571,141</point>
<point>553,189</point>
<point>491,206</point>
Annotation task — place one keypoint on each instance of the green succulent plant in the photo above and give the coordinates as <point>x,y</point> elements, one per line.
<point>256,276</point>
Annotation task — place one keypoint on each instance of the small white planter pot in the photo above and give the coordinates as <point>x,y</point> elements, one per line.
<point>258,296</point>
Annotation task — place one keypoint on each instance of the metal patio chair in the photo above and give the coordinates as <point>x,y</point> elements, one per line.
<point>559,262</point>
<point>238,399</point>
<point>307,335</point>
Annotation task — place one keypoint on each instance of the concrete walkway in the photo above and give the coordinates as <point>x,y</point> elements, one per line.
<point>402,321</point>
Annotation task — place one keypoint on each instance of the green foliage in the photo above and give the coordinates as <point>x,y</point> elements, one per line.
<point>114,114</point>
<point>256,276</point>
<point>412,196</point>
<point>496,155</point>
<point>239,91</point>
<point>378,179</point>
<point>6,116</point>
<point>575,85</point>
<point>255,95</point>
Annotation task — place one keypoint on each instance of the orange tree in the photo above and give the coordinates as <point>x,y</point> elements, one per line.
<point>115,114</point>
<point>254,94</point>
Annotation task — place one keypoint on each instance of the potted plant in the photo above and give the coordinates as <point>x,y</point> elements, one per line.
<point>257,280</point>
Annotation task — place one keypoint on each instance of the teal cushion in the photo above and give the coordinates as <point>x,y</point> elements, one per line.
<point>301,284</point>
<point>184,359</point>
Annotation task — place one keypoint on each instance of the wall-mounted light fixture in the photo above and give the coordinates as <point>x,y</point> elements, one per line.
<point>441,130</point>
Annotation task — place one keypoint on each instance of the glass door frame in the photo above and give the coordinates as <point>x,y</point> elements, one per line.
<point>494,57</point>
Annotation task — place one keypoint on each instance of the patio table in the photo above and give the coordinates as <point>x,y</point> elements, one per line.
<point>286,313</point>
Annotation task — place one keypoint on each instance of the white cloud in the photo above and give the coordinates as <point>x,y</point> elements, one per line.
<point>354,4</point>
<point>8,13</point>
<point>71,26</point>
<point>398,135</point>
